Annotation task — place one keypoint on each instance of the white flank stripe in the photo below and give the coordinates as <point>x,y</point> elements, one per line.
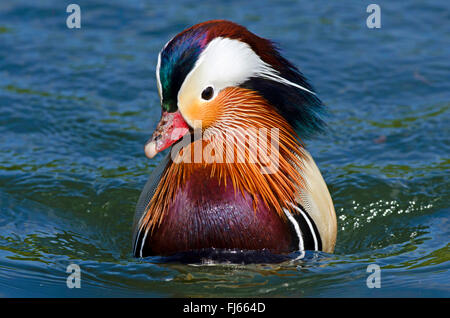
<point>143,242</point>
<point>301,246</point>
<point>139,234</point>
<point>316,245</point>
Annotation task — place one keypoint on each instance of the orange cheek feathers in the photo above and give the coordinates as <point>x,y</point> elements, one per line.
<point>208,112</point>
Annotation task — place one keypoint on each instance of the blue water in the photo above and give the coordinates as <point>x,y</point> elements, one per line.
<point>77,105</point>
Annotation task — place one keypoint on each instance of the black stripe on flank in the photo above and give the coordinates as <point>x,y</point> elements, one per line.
<point>146,249</point>
<point>316,231</point>
<point>137,243</point>
<point>295,241</point>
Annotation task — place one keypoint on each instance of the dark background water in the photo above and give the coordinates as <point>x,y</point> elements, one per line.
<point>76,107</point>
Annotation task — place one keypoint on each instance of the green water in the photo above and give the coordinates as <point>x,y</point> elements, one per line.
<point>76,107</point>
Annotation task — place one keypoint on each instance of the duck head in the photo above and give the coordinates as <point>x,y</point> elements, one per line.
<point>208,72</point>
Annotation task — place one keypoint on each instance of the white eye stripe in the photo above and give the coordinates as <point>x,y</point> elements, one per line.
<point>226,62</point>
<point>269,73</point>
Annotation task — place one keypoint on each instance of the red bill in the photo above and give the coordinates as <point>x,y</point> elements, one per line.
<point>170,129</point>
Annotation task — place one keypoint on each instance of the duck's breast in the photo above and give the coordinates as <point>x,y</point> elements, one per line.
<point>207,214</point>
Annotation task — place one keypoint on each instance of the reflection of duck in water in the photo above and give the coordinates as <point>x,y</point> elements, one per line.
<point>219,78</point>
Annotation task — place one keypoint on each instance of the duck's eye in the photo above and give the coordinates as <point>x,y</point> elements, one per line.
<point>208,93</point>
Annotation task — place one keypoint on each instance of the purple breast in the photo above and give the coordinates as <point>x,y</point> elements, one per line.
<point>206,214</point>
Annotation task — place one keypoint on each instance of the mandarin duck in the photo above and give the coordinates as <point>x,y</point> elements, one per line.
<point>226,94</point>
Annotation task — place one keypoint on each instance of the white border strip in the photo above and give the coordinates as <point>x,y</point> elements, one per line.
<point>311,228</point>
